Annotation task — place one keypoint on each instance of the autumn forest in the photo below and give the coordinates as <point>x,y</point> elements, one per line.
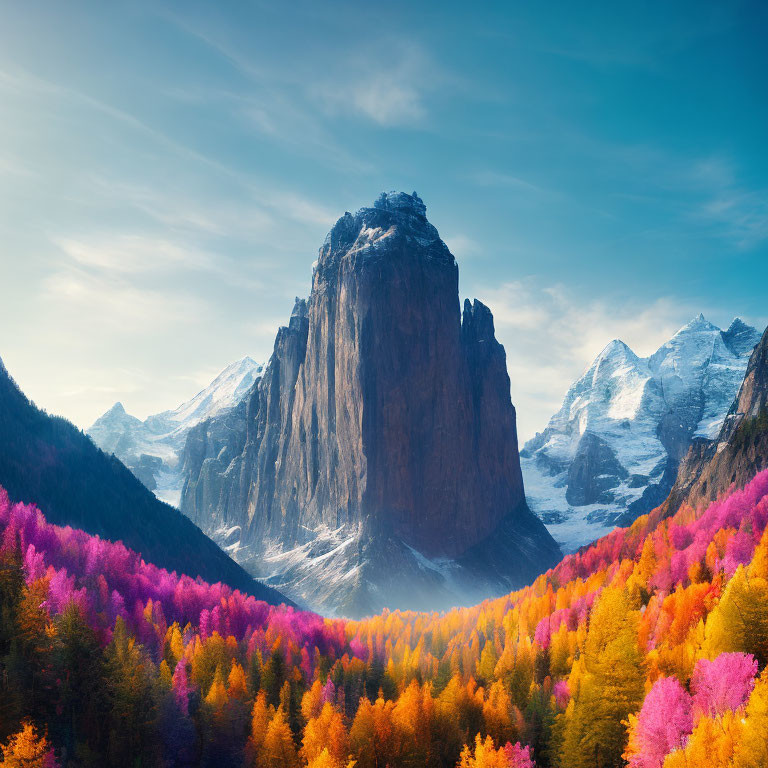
<point>648,647</point>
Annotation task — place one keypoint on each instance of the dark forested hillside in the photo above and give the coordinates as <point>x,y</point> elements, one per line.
<point>48,461</point>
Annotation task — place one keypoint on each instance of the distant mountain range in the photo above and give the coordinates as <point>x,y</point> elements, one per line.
<point>47,461</point>
<point>611,453</point>
<point>151,448</point>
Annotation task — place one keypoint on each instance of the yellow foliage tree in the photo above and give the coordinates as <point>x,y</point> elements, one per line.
<point>326,732</point>
<point>261,716</point>
<point>217,694</point>
<point>739,622</point>
<point>487,664</point>
<point>484,755</point>
<point>497,714</point>
<point>312,701</point>
<point>174,645</point>
<point>371,735</point>
<point>278,749</point>
<point>711,744</point>
<point>27,749</point>
<point>752,747</point>
<point>608,685</point>
<point>237,687</point>
<point>324,760</point>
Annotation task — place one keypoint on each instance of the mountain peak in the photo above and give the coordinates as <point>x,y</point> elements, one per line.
<point>243,362</point>
<point>401,202</point>
<point>617,346</point>
<point>615,352</point>
<point>741,338</point>
<point>477,321</point>
<point>299,307</point>
<point>395,228</point>
<point>116,410</point>
<point>737,324</point>
<point>116,418</point>
<point>697,325</point>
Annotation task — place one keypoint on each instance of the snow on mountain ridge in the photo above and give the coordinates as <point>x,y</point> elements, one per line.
<point>224,392</point>
<point>151,448</point>
<point>625,424</point>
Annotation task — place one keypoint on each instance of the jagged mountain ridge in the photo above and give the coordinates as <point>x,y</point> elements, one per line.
<point>375,462</point>
<point>712,468</point>
<point>47,461</point>
<point>151,448</point>
<point>612,451</point>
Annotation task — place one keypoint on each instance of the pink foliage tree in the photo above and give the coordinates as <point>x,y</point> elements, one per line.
<point>107,580</point>
<point>723,684</point>
<point>518,756</point>
<point>664,722</point>
<point>561,693</point>
<point>181,688</point>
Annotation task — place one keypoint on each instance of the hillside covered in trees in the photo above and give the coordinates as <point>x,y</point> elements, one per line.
<point>47,461</point>
<point>648,648</point>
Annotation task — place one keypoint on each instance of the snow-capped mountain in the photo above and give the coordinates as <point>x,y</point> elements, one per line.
<point>611,452</point>
<point>151,448</point>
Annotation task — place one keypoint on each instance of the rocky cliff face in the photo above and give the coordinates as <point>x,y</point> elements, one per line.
<point>739,451</point>
<point>612,451</point>
<point>380,438</point>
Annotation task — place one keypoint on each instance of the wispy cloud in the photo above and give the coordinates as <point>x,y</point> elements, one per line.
<point>489,178</point>
<point>462,246</point>
<point>132,254</point>
<point>93,301</point>
<point>551,335</point>
<point>728,203</point>
<point>383,80</point>
<point>387,83</point>
<point>389,99</point>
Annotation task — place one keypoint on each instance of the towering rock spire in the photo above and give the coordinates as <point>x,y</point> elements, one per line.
<point>384,417</point>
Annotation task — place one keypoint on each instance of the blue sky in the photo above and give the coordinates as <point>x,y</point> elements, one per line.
<point>168,171</point>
